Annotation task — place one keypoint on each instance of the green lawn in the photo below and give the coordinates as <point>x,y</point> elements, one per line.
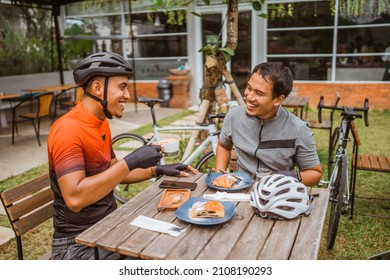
<point>366,235</point>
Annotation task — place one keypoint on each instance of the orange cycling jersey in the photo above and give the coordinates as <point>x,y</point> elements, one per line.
<point>79,141</point>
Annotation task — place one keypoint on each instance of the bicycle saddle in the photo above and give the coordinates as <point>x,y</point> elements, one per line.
<point>149,101</point>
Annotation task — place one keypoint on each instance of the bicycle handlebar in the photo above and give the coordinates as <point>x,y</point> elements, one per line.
<point>347,111</point>
<point>216,116</point>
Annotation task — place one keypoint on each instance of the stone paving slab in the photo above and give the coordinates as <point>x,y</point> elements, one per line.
<point>6,234</point>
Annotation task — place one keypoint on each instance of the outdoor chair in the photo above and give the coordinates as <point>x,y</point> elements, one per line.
<point>44,101</point>
<point>78,95</point>
<point>326,124</point>
<point>27,206</point>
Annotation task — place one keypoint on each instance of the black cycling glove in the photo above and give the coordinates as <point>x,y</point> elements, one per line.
<point>171,169</point>
<point>143,157</point>
<point>291,173</point>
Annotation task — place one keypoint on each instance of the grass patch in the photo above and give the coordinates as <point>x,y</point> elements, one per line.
<point>366,235</point>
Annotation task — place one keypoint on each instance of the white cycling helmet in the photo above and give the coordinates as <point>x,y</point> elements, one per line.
<point>280,197</point>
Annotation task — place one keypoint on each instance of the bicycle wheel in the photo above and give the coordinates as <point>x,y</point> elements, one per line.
<point>337,199</point>
<point>124,144</point>
<point>206,162</point>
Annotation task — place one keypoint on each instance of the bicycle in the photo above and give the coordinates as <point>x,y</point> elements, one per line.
<point>341,191</point>
<point>125,143</point>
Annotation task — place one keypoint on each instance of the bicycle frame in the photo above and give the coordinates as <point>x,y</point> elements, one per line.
<point>212,139</point>
<point>343,139</point>
<point>340,189</point>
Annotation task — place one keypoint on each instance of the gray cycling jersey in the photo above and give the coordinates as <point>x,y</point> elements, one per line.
<point>276,144</point>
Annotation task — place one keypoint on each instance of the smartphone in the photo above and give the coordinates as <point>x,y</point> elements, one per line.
<point>168,184</point>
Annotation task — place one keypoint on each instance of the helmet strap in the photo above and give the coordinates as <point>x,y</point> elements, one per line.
<point>103,101</point>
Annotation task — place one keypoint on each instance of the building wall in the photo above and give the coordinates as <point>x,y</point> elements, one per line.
<point>351,94</point>
<point>144,89</point>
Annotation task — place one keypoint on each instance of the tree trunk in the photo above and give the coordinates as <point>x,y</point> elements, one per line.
<point>214,68</point>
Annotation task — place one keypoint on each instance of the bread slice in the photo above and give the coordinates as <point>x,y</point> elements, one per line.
<point>208,209</point>
<point>226,181</point>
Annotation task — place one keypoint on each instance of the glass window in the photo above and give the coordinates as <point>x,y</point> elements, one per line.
<point>300,14</point>
<point>300,32</point>
<point>363,19</point>
<point>241,61</point>
<point>156,25</point>
<point>158,46</point>
<point>93,7</point>
<point>148,39</point>
<point>94,26</point>
<point>300,41</point>
<point>307,68</point>
<point>353,69</point>
<point>211,27</point>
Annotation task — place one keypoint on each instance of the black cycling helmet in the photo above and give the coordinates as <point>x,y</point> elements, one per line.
<point>104,64</point>
<point>101,64</point>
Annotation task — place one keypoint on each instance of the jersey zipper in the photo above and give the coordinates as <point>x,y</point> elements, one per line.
<point>258,146</point>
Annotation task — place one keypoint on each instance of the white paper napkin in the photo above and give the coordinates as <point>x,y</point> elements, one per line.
<point>156,225</point>
<point>224,196</point>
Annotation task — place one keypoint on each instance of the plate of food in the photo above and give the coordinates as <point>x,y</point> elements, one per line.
<point>230,182</point>
<point>202,211</point>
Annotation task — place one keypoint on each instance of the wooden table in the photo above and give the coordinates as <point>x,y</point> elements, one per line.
<point>56,89</point>
<point>51,88</point>
<point>9,98</point>
<point>245,236</point>
<point>298,103</point>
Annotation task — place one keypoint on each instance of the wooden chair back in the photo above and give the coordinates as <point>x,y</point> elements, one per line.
<point>44,107</point>
<point>79,93</point>
<point>27,206</point>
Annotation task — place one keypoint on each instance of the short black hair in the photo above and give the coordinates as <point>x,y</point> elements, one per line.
<point>279,75</point>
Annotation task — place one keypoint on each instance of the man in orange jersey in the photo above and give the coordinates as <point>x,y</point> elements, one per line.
<point>82,165</point>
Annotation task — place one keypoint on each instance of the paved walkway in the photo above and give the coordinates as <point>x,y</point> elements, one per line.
<point>26,153</point>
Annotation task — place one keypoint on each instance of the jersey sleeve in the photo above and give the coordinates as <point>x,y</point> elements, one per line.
<point>306,154</point>
<point>226,132</point>
<point>66,149</point>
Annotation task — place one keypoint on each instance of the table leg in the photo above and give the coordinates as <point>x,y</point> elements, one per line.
<point>3,119</point>
<point>96,252</point>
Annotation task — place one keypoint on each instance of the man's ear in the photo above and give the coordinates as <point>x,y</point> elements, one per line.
<point>279,100</point>
<point>97,88</point>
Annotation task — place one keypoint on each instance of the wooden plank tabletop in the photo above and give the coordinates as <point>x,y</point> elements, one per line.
<point>298,103</point>
<point>245,236</point>
<point>9,96</point>
<point>51,88</point>
<point>295,101</point>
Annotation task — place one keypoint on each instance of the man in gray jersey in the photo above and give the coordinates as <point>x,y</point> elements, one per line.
<point>266,135</point>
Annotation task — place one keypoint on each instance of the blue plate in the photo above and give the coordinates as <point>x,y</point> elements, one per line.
<point>240,185</point>
<point>183,212</point>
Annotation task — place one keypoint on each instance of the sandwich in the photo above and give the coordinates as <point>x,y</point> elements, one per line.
<point>208,209</point>
<point>226,181</point>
